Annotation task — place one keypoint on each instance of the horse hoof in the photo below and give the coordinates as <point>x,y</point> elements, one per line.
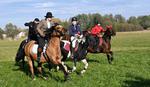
<point>67,78</point>
<point>112,59</point>
<point>43,77</point>
<point>83,71</point>
<point>81,74</point>
<point>34,79</point>
<point>110,62</point>
<point>69,71</point>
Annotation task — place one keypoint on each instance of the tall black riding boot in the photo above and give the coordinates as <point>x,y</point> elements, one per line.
<point>72,52</point>
<point>39,55</point>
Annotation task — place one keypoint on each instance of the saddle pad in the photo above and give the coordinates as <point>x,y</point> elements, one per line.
<point>34,48</point>
<point>66,45</point>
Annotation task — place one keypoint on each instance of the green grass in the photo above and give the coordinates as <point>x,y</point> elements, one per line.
<point>131,67</point>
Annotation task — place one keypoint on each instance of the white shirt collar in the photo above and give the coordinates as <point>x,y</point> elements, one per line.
<point>48,24</point>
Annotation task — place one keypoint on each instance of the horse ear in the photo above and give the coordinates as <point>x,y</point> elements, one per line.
<point>55,24</point>
<point>65,30</point>
<point>57,27</point>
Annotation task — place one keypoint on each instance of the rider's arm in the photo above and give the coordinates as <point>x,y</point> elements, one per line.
<point>79,29</point>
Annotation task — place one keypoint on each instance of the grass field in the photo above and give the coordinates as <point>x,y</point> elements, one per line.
<point>131,67</point>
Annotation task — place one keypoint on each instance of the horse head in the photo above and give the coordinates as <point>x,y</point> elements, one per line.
<point>110,31</point>
<point>60,30</point>
<point>57,30</point>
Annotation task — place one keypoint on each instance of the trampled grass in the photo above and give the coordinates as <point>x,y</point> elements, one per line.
<point>131,67</point>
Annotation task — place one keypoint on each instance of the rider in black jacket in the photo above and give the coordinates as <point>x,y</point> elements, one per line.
<point>32,34</point>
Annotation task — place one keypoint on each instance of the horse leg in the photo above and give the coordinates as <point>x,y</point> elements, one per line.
<point>109,58</point>
<point>111,54</point>
<point>107,51</point>
<point>86,65</point>
<point>74,66</point>
<point>40,71</point>
<point>31,68</point>
<point>23,63</point>
<point>64,69</point>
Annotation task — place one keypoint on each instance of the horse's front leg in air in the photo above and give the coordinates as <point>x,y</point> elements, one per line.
<point>64,69</point>
<point>85,67</point>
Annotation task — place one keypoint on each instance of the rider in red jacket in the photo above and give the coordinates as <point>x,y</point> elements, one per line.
<point>96,32</point>
<point>97,29</point>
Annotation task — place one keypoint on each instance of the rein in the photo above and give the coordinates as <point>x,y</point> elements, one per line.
<point>61,34</point>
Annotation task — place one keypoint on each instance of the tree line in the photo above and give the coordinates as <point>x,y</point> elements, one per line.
<point>10,30</point>
<point>119,23</point>
<point>87,21</point>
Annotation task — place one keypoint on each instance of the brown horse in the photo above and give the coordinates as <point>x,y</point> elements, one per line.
<point>105,46</point>
<point>52,53</point>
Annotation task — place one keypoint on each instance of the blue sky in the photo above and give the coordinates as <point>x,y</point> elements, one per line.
<point>20,11</point>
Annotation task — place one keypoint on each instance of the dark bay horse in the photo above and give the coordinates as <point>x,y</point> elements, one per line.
<point>105,46</point>
<point>52,53</point>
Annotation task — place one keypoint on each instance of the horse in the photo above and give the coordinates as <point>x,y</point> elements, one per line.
<point>80,51</point>
<point>52,54</point>
<point>105,42</point>
<point>86,46</point>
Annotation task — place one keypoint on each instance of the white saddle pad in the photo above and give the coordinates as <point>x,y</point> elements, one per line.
<point>34,48</point>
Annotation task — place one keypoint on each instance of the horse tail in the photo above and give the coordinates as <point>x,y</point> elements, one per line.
<point>20,53</point>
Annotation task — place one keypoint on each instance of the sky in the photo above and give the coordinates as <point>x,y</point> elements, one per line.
<point>20,11</point>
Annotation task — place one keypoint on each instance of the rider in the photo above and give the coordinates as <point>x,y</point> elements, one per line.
<point>32,34</point>
<point>97,31</point>
<point>74,32</point>
<point>44,25</point>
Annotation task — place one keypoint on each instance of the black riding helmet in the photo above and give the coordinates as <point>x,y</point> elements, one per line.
<point>49,15</point>
<point>36,19</point>
<point>74,19</point>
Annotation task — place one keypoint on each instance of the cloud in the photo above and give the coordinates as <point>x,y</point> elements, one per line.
<point>13,1</point>
<point>44,5</point>
<point>19,11</point>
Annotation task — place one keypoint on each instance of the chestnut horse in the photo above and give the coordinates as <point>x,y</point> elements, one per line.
<point>52,53</point>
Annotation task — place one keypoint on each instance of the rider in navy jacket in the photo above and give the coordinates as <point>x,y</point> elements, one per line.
<point>74,28</point>
<point>74,32</point>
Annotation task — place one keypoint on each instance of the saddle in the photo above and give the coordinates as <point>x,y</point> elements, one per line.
<point>67,45</point>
